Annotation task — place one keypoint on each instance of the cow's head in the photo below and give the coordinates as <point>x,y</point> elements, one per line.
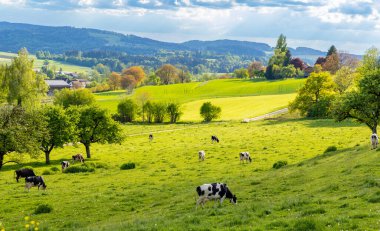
<point>233,200</point>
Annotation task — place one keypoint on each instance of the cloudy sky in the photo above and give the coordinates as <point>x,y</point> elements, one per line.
<point>351,25</point>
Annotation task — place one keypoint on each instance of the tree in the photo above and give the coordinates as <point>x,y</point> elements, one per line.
<point>95,125</point>
<point>332,50</point>
<point>315,97</point>
<point>332,63</point>
<point>22,85</point>
<point>60,129</point>
<point>363,103</point>
<point>114,81</point>
<point>68,97</point>
<point>142,97</point>
<point>137,72</point>
<point>298,63</point>
<point>127,110</point>
<point>288,72</point>
<point>344,78</point>
<point>159,111</point>
<point>168,74</point>
<point>241,73</point>
<point>174,111</point>
<point>184,74</point>
<point>148,108</point>
<point>281,45</point>
<point>210,112</point>
<point>256,69</point>
<point>20,131</point>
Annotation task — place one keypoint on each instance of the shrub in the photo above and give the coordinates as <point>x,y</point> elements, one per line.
<point>127,110</point>
<point>97,165</point>
<point>127,166</point>
<point>43,208</point>
<point>77,168</point>
<point>210,112</point>
<point>55,169</point>
<point>159,112</point>
<point>174,111</point>
<point>148,110</point>
<point>280,164</point>
<point>331,149</point>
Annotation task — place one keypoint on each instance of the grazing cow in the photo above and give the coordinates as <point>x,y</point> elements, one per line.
<point>78,157</point>
<point>215,191</point>
<point>31,181</point>
<point>214,138</point>
<point>25,172</point>
<point>245,156</point>
<point>65,164</point>
<point>150,137</point>
<point>201,155</point>
<point>374,140</point>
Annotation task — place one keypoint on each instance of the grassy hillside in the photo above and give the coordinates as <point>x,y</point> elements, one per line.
<point>334,191</point>
<point>6,57</point>
<point>222,92</point>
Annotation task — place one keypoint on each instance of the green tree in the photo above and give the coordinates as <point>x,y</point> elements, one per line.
<point>68,97</point>
<point>210,112</point>
<point>95,125</point>
<point>174,111</point>
<point>60,129</point>
<point>281,45</point>
<point>159,112</point>
<point>315,97</point>
<point>20,131</point>
<point>241,73</point>
<point>142,97</point>
<point>22,85</point>
<point>363,102</point>
<point>148,109</point>
<point>332,50</point>
<point>344,78</point>
<point>127,110</point>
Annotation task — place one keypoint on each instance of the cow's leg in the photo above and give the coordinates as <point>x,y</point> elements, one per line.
<point>221,200</point>
<point>17,177</point>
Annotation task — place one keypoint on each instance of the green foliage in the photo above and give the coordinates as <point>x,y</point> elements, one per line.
<point>174,111</point>
<point>280,164</point>
<point>55,169</point>
<point>43,208</point>
<point>79,168</point>
<point>332,50</point>
<point>127,110</point>
<point>315,97</point>
<point>159,111</point>
<point>210,112</point>
<point>148,109</point>
<point>127,166</point>
<point>344,78</point>
<point>241,73</point>
<point>67,97</point>
<point>95,125</point>
<point>306,224</point>
<point>331,149</point>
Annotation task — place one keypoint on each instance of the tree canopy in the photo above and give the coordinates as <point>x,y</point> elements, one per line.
<point>67,97</point>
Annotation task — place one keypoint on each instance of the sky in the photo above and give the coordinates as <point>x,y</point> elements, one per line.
<point>351,25</point>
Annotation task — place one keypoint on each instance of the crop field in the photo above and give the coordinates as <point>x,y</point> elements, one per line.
<point>6,57</point>
<point>338,190</point>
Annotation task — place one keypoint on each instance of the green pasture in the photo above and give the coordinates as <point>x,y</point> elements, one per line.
<point>334,191</point>
<point>6,57</point>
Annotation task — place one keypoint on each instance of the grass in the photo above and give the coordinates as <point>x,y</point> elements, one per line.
<point>338,191</point>
<point>6,57</point>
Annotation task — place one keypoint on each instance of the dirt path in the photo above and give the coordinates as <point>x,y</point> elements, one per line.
<point>278,112</point>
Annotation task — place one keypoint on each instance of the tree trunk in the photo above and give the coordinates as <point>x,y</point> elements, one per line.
<point>19,102</point>
<point>374,129</point>
<point>1,160</point>
<point>88,150</point>
<point>47,157</point>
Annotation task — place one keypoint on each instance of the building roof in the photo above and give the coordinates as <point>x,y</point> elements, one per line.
<point>56,83</point>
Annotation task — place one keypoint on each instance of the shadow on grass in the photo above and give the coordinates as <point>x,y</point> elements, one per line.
<point>309,122</point>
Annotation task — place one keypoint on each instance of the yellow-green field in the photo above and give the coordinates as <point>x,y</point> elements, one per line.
<point>6,57</point>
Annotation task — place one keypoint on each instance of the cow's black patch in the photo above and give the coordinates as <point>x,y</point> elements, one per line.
<point>200,191</point>
<point>215,189</point>
<point>210,194</point>
<point>209,188</point>
<point>222,190</point>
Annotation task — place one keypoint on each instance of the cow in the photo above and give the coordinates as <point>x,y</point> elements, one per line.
<point>214,138</point>
<point>245,156</point>
<point>201,155</point>
<point>65,164</point>
<point>78,157</point>
<point>31,181</point>
<point>150,137</point>
<point>214,191</point>
<point>374,140</point>
<point>25,172</point>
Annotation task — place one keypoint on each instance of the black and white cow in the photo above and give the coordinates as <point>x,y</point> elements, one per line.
<point>214,191</point>
<point>245,156</point>
<point>22,173</point>
<point>374,140</point>
<point>214,138</point>
<point>65,164</point>
<point>201,155</point>
<point>31,181</point>
<point>150,137</point>
<point>78,157</point>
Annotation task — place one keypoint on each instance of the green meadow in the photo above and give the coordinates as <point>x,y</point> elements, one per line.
<point>6,57</point>
<point>337,190</point>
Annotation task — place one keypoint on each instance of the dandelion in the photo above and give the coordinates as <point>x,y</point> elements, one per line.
<point>38,223</point>
<point>32,222</point>
<point>2,229</point>
<point>26,218</point>
<point>36,229</point>
<point>27,226</point>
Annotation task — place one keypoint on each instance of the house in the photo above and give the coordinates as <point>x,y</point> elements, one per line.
<point>79,83</point>
<point>56,85</point>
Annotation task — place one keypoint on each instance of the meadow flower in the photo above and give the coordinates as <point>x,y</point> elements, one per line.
<point>27,226</point>
<point>26,218</point>
<point>32,222</point>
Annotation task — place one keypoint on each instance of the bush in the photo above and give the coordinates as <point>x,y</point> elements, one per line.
<point>127,110</point>
<point>128,166</point>
<point>331,149</point>
<point>210,112</point>
<point>43,208</point>
<point>77,168</point>
<point>55,169</point>
<point>159,112</point>
<point>174,111</point>
<point>97,165</point>
<point>280,164</point>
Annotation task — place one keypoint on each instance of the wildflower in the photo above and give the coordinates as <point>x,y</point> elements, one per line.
<point>38,223</point>
<point>26,218</point>
<point>32,222</point>
<point>36,229</point>
<point>27,226</point>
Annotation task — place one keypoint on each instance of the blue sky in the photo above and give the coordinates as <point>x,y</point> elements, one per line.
<point>351,25</point>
